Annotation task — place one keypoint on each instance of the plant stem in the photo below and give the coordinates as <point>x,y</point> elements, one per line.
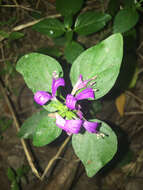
<point>11,108</point>
<point>55,157</point>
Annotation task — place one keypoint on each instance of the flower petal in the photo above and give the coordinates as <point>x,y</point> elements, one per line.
<point>60,122</point>
<point>73,126</point>
<point>70,126</point>
<point>42,97</point>
<point>79,84</point>
<point>79,112</point>
<point>91,127</point>
<point>71,101</point>
<point>85,94</point>
<point>56,83</point>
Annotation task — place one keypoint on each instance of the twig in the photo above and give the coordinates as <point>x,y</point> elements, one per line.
<point>15,1</point>
<point>140,56</point>
<point>27,153</point>
<point>141,44</point>
<point>140,71</point>
<point>37,4</point>
<point>55,157</point>
<point>2,52</point>
<point>134,113</point>
<point>134,96</point>
<point>6,59</point>
<point>20,6</point>
<point>22,26</point>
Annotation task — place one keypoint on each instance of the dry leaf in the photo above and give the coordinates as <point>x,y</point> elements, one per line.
<point>120,103</point>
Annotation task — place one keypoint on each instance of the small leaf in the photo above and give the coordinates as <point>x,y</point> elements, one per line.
<point>69,36</point>
<point>113,7</point>
<point>15,185</point>
<point>51,51</point>
<point>22,171</point>
<point>4,34</point>
<point>68,21</point>
<point>120,103</point>
<point>11,174</point>
<point>72,51</point>
<point>29,126</point>
<point>90,22</point>
<point>129,3</point>
<point>16,35</point>
<point>36,15</point>
<point>46,132</point>
<point>68,7</point>
<point>102,61</point>
<point>53,106</point>
<point>51,27</point>
<point>37,70</point>
<point>125,20</point>
<point>95,152</point>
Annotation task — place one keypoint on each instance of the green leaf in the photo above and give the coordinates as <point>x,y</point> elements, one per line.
<point>8,22</point>
<point>46,132</point>
<point>11,174</point>
<point>22,171</point>
<point>29,126</point>
<point>72,51</point>
<point>36,15</point>
<point>51,27</point>
<point>95,152</point>
<point>125,20</point>
<point>129,3</point>
<point>69,36</point>
<point>103,61</point>
<point>16,35</point>
<point>68,21</point>
<point>53,106</point>
<point>90,22</point>
<point>5,123</point>
<point>37,71</point>
<point>4,34</point>
<point>51,51</point>
<point>113,7</point>
<point>68,7</point>
<point>15,185</point>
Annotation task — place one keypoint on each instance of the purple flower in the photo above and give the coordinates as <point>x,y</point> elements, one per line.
<point>42,97</point>
<point>85,94</point>
<point>57,83</point>
<point>71,101</point>
<point>81,84</point>
<point>79,112</point>
<point>91,127</point>
<point>73,126</point>
<point>70,126</point>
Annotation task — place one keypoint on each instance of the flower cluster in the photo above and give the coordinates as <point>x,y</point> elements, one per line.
<point>71,126</point>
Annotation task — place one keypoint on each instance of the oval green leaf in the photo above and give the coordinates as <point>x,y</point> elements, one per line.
<point>72,51</point>
<point>37,71</point>
<point>125,20</point>
<point>68,7</point>
<point>50,27</point>
<point>103,61</point>
<point>95,152</point>
<point>46,132</point>
<point>90,22</point>
<point>29,126</point>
